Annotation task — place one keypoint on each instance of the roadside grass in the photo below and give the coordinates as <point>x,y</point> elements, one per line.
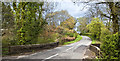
<point>96,42</point>
<point>76,40</point>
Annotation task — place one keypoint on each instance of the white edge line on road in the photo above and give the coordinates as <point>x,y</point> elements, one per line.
<point>50,57</point>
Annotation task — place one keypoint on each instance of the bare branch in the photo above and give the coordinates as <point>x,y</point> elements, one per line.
<point>106,16</point>
<point>102,3</point>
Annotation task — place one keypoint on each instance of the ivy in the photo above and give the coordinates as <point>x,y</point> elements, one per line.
<point>110,47</point>
<point>28,26</point>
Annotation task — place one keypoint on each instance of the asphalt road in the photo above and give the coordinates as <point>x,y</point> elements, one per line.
<point>71,51</point>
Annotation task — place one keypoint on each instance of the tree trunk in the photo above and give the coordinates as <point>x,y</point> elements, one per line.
<point>115,24</point>
<point>114,16</point>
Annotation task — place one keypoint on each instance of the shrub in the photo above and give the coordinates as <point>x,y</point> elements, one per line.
<point>110,47</point>
<point>78,38</point>
<point>75,35</point>
<point>95,28</point>
<point>104,33</point>
<point>5,42</point>
<point>8,40</point>
<point>69,34</point>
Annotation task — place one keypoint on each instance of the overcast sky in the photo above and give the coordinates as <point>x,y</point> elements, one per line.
<point>73,9</point>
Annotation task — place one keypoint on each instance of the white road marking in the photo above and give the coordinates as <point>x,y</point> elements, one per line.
<point>69,48</point>
<point>57,54</point>
<point>74,46</point>
<point>50,57</point>
<point>21,56</point>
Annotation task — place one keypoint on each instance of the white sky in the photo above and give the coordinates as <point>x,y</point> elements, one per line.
<point>73,9</point>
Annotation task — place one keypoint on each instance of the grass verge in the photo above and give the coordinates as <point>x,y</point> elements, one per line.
<point>76,40</point>
<point>96,42</point>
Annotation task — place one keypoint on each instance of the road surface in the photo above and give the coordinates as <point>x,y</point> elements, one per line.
<point>71,51</point>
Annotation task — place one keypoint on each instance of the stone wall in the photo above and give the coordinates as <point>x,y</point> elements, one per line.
<point>96,50</point>
<point>30,48</point>
<point>34,47</point>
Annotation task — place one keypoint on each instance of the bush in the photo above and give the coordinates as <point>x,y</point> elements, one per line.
<point>69,34</point>
<point>104,33</point>
<point>75,35</point>
<point>5,42</point>
<point>95,28</point>
<point>110,47</point>
<point>51,37</point>
<point>78,38</point>
<point>8,40</point>
<point>5,45</point>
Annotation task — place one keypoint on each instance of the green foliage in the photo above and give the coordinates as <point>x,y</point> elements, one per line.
<point>110,47</point>
<point>69,23</point>
<point>76,40</point>
<point>95,28</point>
<point>43,40</point>
<point>95,42</point>
<point>5,42</point>
<point>71,34</point>
<point>7,16</point>
<point>25,24</point>
<point>28,26</point>
<point>104,33</point>
<point>75,35</point>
